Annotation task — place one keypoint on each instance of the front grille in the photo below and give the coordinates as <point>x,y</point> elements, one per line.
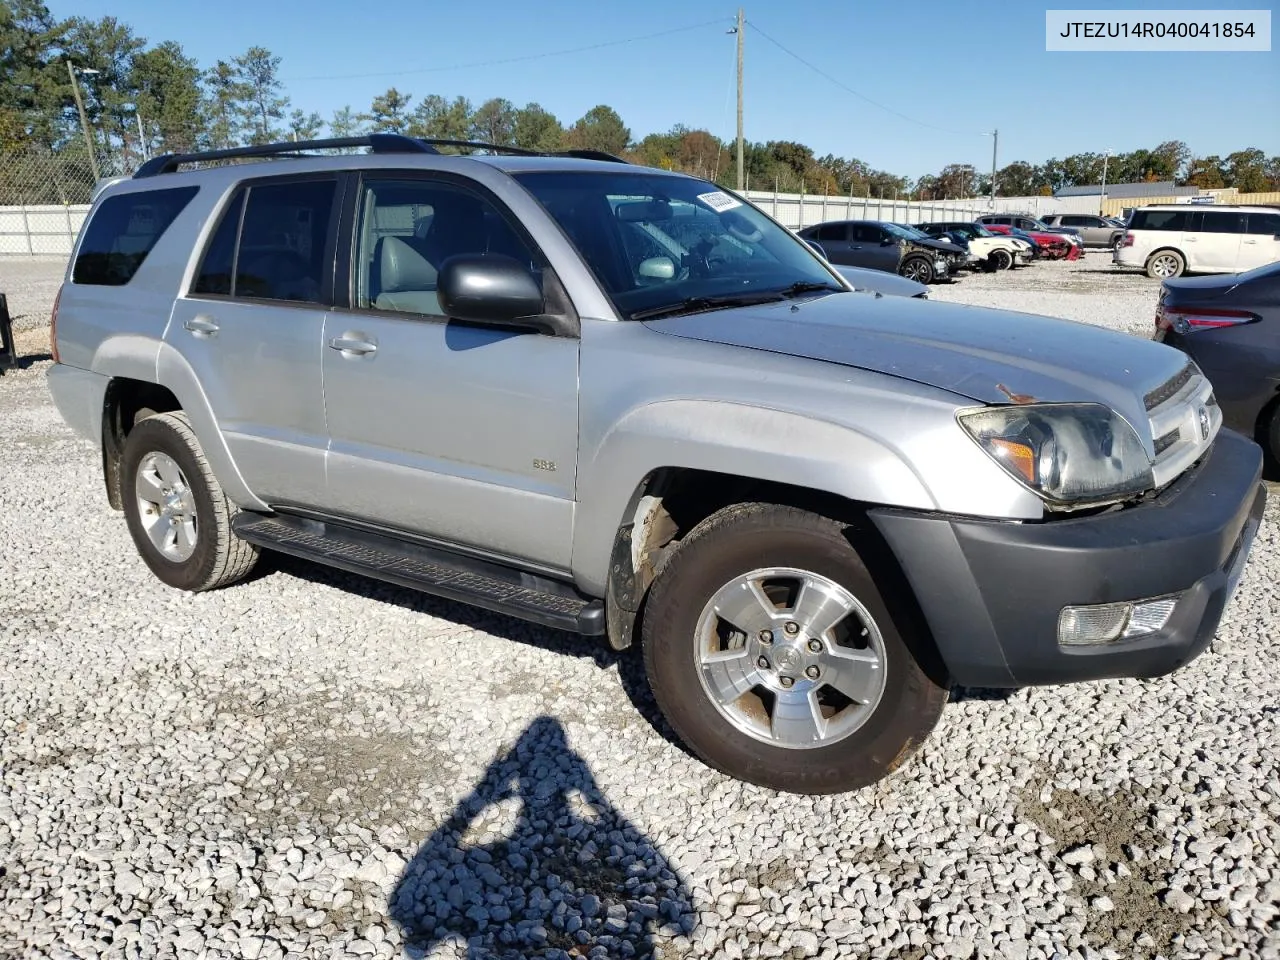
<point>1184,420</point>
<point>1167,389</point>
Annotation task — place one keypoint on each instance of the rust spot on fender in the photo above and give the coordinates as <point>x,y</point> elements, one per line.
<point>1015,397</point>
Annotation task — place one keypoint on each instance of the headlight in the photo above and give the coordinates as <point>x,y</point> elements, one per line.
<point>1069,454</point>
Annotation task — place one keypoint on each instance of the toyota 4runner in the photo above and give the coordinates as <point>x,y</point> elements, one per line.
<point>626,403</point>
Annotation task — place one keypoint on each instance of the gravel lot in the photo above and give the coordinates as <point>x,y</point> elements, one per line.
<point>316,765</point>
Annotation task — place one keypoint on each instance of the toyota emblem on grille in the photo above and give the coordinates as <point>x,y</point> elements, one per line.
<point>1204,424</point>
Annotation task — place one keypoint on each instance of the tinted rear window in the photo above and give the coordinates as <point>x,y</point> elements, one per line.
<point>282,241</point>
<point>1222,222</point>
<point>1265,223</point>
<point>122,233</point>
<point>1158,220</point>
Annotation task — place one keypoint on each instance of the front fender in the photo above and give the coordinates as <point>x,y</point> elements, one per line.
<point>731,438</point>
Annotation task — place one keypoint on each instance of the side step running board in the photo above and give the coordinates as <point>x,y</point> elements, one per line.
<point>432,570</point>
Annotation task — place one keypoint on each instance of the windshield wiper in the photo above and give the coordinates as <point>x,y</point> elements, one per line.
<point>809,286</point>
<point>701,304</point>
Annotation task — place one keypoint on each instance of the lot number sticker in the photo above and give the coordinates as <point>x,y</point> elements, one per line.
<point>719,202</point>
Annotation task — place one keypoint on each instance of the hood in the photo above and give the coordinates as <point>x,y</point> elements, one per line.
<point>880,281</point>
<point>991,356</point>
<point>942,245</point>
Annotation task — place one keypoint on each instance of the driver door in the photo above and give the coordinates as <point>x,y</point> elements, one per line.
<point>461,433</point>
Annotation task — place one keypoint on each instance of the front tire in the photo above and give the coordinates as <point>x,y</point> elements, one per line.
<point>177,514</point>
<point>772,653</point>
<point>918,269</point>
<point>1165,265</point>
<point>1000,260</point>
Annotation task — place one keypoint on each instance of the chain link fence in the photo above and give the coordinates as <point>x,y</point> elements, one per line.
<point>44,197</point>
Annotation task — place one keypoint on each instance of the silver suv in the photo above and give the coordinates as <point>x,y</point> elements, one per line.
<point>626,403</point>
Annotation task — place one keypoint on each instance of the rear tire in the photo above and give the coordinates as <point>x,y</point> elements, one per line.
<point>1165,265</point>
<point>177,514</point>
<point>813,715</point>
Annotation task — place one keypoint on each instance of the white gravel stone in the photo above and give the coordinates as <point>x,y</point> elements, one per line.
<point>313,765</point>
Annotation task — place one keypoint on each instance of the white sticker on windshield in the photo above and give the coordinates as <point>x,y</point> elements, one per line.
<point>719,201</point>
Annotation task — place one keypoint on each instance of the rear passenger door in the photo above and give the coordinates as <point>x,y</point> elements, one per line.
<point>1261,242</point>
<point>834,238</point>
<point>463,433</point>
<point>250,327</point>
<point>1217,240</point>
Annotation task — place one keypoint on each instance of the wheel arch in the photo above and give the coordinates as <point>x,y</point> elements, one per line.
<point>1146,263</point>
<point>175,387</point>
<point>635,500</point>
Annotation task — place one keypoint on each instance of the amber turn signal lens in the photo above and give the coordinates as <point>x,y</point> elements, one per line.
<point>1018,455</point>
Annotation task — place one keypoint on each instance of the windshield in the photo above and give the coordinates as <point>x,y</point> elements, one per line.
<point>978,230</point>
<point>906,233</point>
<point>657,241</point>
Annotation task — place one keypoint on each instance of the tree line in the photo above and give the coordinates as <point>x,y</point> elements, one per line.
<point>148,98</point>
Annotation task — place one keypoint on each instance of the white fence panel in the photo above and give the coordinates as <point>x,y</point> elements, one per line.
<point>40,231</point>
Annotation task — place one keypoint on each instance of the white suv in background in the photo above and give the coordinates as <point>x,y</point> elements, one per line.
<point>1168,240</point>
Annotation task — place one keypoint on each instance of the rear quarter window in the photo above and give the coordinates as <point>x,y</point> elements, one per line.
<point>124,229</point>
<point>1158,220</point>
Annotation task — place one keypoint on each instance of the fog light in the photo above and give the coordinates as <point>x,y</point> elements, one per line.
<point>1108,622</point>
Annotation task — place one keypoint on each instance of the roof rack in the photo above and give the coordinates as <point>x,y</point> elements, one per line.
<point>376,142</point>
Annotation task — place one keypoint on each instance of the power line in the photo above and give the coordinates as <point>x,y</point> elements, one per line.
<point>523,59</point>
<point>848,89</point>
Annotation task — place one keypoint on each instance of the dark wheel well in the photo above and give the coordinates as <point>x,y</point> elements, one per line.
<point>683,498</point>
<point>1264,430</point>
<point>126,402</point>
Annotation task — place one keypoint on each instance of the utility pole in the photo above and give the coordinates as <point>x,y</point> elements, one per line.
<point>1102,208</point>
<point>995,146</point>
<point>142,137</point>
<point>740,31</point>
<point>84,121</point>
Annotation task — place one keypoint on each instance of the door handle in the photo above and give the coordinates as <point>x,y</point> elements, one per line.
<point>1250,241</point>
<point>202,326</point>
<point>351,345</point>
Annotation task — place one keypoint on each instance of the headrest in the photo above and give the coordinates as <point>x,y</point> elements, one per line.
<point>404,268</point>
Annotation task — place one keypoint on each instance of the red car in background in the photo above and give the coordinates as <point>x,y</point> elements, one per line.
<point>1053,246</point>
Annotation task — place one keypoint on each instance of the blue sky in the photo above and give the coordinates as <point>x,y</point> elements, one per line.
<point>963,67</point>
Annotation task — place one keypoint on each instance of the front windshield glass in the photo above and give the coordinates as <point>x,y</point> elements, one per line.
<point>906,233</point>
<point>978,230</point>
<point>657,241</point>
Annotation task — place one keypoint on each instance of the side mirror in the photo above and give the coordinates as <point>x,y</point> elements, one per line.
<point>888,242</point>
<point>490,289</point>
<point>817,247</point>
<point>657,268</point>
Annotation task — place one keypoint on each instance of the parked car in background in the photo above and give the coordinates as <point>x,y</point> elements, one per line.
<point>1095,231</point>
<point>882,246</point>
<point>1049,246</point>
<point>1167,240</point>
<point>878,281</point>
<point>995,251</point>
<point>1230,326</point>
<point>957,248</point>
<point>1035,226</point>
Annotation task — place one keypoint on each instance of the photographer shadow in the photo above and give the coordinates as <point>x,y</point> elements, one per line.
<point>536,862</point>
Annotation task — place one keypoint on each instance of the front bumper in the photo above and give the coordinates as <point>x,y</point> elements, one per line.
<point>992,591</point>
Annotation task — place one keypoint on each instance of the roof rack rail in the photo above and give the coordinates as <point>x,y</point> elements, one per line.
<point>377,142</point>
